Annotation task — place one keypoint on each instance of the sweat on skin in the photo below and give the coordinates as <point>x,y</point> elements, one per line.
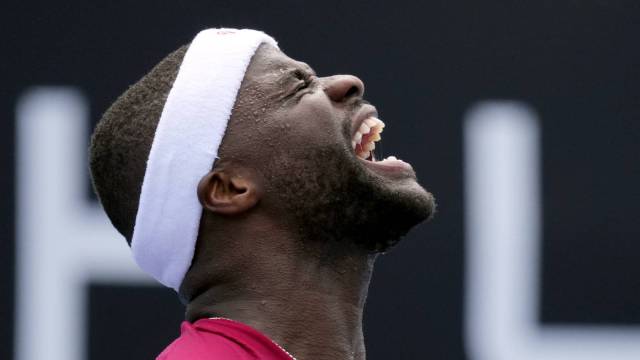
<point>296,209</point>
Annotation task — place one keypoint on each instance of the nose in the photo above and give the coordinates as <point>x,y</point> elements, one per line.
<point>342,88</point>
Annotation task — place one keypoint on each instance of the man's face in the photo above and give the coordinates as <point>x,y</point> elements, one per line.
<point>299,131</point>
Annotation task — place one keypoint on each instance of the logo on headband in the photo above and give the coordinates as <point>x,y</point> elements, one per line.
<point>225,32</point>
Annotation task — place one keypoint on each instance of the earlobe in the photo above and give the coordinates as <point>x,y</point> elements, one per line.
<point>228,194</point>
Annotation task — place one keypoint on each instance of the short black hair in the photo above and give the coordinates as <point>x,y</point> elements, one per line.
<point>122,140</point>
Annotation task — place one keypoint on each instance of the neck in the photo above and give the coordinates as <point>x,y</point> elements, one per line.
<point>307,304</point>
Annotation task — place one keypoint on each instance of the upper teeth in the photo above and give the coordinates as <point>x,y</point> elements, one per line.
<point>372,127</point>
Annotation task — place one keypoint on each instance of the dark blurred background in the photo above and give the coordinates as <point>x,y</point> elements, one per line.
<point>424,64</point>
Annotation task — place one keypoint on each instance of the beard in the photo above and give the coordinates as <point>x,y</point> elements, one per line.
<point>334,202</point>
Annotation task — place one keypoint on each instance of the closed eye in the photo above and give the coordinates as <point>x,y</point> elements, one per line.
<point>304,79</point>
<point>302,82</point>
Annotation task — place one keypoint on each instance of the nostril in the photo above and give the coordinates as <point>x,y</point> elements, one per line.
<point>342,88</point>
<point>353,90</point>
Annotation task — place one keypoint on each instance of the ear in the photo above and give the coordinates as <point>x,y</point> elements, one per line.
<point>228,194</point>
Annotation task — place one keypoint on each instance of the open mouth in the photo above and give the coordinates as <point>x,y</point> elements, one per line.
<point>365,138</point>
<point>363,143</point>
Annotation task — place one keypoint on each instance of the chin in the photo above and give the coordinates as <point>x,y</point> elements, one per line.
<point>401,206</point>
<point>338,200</point>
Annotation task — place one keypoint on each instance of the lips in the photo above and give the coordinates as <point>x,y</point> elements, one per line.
<point>366,132</point>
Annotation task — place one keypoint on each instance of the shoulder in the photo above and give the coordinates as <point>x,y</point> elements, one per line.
<point>197,345</point>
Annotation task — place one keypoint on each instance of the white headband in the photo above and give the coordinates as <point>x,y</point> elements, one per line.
<point>185,145</point>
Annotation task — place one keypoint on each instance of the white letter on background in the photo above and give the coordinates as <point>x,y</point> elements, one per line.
<point>503,234</point>
<point>63,241</point>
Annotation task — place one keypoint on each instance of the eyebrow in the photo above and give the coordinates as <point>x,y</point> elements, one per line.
<point>307,68</point>
<point>291,71</point>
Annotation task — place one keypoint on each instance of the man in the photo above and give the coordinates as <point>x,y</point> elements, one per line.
<point>249,184</point>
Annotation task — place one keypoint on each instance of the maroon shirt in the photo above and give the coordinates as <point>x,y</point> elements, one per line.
<point>222,339</point>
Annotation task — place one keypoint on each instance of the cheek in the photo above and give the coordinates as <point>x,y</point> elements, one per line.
<point>314,123</point>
